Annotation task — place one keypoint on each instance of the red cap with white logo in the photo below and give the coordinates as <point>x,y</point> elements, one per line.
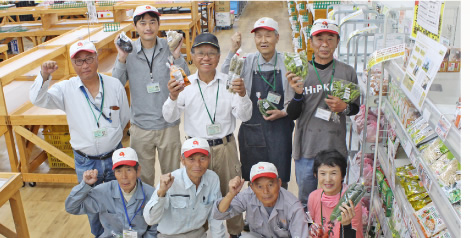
<point>266,23</point>
<point>143,9</point>
<point>124,156</point>
<point>195,145</point>
<point>324,25</point>
<point>82,45</point>
<point>263,169</point>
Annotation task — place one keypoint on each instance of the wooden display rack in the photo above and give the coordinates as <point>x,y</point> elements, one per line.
<point>10,191</point>
<point>25,119</point>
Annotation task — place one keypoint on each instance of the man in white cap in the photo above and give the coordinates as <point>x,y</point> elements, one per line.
<point>313,106</point>
<point>271,211</point>
<point>146,70</point>
<point>96,107</point>
<point>119,204</point>
<point>265,138</point>
<point>182,201</point>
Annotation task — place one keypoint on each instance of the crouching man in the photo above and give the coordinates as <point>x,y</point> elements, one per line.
<point>271,211</point>
<point>183,200</point>
<point>118,203</point>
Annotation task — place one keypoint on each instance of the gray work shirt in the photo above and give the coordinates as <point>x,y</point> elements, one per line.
<point>287,219</point>
<point>251,65</point>
<point>105,200</point>
<point>146,108</point>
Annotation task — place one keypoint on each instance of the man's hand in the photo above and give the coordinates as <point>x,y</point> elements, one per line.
<point>236,42</point>
<point>166,181</point>
<point>347,213</point>
<point>177,52</point>
<point>175,88</point>
<point>122,55</point>
<point>335,104</point>
<point>235,185</point>
<point>90,176</point>
<point>295,82</point>
<point>47,68</point>
<point>238,86</point>
<point>274,115</point>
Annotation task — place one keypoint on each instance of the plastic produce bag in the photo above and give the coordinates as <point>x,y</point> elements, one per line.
<point>453,192</point>
<point>179,75</point>
<point>355,192</point>
<point>173,38</point>
<point>124,42</point>
<point>265,105</point>
<point>316,231</point>
<point>297,63</point>
<point>449,175</point>
<point>345,90</point>
<point>235,69</point>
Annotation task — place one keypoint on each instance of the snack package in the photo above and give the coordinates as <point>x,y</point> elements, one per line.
<point>173,38</point>
<point>453,192</point>
<point>421,203</point>
<point>430,220</point>
<point>449,174</point>
<point>412,187</point>
<point>355,192</point>
<point>235,69</point>
<point>345,90</point>
<point>179,75</point>
<point>297,63</point>
<point>124,42</point>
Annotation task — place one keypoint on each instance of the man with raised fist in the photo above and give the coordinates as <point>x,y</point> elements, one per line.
<point>182,201</point>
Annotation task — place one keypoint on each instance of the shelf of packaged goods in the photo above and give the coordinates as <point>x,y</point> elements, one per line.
<point>384,224</point>
<point>445,208</point>
<point>433,112</point>
<point>365,89</point>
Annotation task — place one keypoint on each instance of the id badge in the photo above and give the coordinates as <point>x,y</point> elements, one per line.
<point>213,129</point>
<point>100,132</point>
<point>153,87</point>
<point>129,234</point>
<point>323,114</point>
<point>274,97</point>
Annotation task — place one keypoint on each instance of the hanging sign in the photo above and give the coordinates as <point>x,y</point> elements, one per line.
<point>385,54</point>
<point>428,16</point>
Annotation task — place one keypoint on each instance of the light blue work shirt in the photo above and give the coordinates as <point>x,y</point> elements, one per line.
<point>105,200</point>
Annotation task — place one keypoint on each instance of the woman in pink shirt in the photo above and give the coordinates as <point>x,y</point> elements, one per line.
<point>330,170</point>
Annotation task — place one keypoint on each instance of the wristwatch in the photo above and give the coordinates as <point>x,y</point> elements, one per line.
<point>347,110</point>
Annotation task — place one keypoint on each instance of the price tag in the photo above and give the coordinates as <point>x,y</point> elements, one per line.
<point>443,127</point>
<point>426,114</point>
<point>413,160</point>
<point>427,180</point>
<point>392,174</point>
<point>408,147</point>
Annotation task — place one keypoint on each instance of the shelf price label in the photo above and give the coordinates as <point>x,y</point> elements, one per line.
<point>425,178</point>
<point>413,160</point>
<point>408,147</point>
<point>443,127</point>
<point>426,114</point>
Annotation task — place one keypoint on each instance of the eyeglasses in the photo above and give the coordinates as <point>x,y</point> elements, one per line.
<point>201,55</point>
<point>89,60</point>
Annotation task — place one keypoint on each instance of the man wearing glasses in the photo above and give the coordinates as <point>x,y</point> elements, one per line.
<point>97,112</point>
<point>210,112</point>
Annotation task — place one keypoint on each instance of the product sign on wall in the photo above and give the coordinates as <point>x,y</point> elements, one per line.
<point>428,16</point>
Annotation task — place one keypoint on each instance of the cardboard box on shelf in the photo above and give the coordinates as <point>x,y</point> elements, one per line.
<point>222,6</point>
<point>223,19</point>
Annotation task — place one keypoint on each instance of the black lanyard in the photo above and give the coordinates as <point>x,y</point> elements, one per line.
<point>216,100</point>
<point>273,86</point>
<point>150,64</point>
<point>331,82</point>
<point>100,110</point>
<point>125,208</point>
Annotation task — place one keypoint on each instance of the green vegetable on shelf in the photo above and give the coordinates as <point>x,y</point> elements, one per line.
<point>355,192</point>
<point>297,63</point>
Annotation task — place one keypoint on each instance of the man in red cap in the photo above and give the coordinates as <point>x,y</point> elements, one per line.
<point>119,203</point>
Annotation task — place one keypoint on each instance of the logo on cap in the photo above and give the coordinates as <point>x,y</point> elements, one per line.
<point>148,7</point>
<point>261,22</point>
<point>80,44</point>
<point>260,167</point>
<point>325,23</point>
<point>195,142</point>
<point>121,154</point>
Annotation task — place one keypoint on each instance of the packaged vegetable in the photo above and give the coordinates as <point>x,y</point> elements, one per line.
<point>453,192</point>
<point>438,165</point>
<point>420,203</point>
<point>355,192</point>
<point>412,187</point>
<point>345,90</point>
<point>124,42</point>
<point>297,63</point>
<point>179,75</point>
<point>264,105</point>
<point>449,175</point>
<point>435,150</point>
<point>173,38</point>
<point>430,220</point>
<point>235,69</point>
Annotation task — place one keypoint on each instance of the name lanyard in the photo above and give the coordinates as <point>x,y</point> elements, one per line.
<point>150,64</point>
<point>125,208</point>
<point>321,204</point>
<point>216,100</point>
<point>273,86</point>
<point>331,82</point>
<point>96,108</point>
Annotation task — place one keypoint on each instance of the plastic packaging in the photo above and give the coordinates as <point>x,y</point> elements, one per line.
<point>430,220</point>
<point>345,90</point>
<point>173,38</point>
<point>297,63</point>
<point>235,69</point>
<point>412,187</point>
<point>449,175</point>
<point>355,192</point>
<point>179,75</point>
<point>453,192</point>
<point>421,203</point>
<point>265,105</point>
<point>316,231</point>
<point>124,42</point>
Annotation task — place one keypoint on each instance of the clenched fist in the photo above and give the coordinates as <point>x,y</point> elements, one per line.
<point>236,42</point>
<point>47,68</point>
<point>235,185</point>
<point>166,181</point>
<point>90,176</point>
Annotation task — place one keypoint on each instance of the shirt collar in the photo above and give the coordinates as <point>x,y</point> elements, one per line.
<point>263,61</point>
<point>187,181</point>
<point>218,75</point>
<point>138,45</point>
<point>80,83</point>
<point>137,195</point>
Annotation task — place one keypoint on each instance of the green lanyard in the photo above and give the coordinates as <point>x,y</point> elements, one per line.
<point>216,100</point>
<point>331,82</point>
<point>102,103</point>
<point>273,86</point>
<point>321,205</point>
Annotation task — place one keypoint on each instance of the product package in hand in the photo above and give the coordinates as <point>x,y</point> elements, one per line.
<point>124,42</point>
<point>264,105</point>
<point>173,38</point>
<point>235,69</point>
<point>178,74</point>
<point>297,63</point>
<point>316,231</point>
<point>345,90</point>
<point>355,192</point>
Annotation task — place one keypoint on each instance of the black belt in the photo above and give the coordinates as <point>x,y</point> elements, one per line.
<point>215,142</point>
<point>99,157</point>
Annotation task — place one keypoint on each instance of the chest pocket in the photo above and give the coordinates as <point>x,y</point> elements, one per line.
<point>178,201</point>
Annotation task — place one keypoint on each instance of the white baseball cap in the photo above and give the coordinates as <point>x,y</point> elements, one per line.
<point>143,9</point>
<point>195,145</point>
<point>266,23</point>
<point>82,45</point>
<point>263,169</point>
<point>324,25</point>
<point>124,156</point>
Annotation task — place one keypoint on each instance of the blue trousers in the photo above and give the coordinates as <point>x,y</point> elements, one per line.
<point>306,182</point>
